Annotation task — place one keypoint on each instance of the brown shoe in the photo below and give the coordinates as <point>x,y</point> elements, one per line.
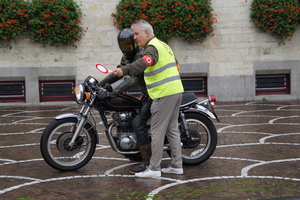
<point>146,155</point>
<point>138,168</point>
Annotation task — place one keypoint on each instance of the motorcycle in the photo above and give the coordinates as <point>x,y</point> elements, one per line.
<point>69,141</point>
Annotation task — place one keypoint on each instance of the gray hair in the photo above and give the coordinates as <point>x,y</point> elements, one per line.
<point>143,25</point>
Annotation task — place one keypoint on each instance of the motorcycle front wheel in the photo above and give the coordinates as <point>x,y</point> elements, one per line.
<point>55,149</point>
<point>201,142</point>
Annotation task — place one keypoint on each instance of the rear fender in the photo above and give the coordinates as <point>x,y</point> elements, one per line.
<point>203,111</point>
<point>78,117</point>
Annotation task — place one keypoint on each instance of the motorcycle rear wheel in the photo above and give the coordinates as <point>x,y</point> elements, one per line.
<point>197,150</point>
<point>56,151</point>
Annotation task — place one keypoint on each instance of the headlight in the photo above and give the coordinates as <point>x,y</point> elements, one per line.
<point>79,92</point>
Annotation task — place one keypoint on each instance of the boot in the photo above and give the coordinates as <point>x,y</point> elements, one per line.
<point>146,155</point>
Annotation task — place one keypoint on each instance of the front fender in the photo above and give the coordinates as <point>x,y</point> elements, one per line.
<point>67,115</point>
<point>78,116</point>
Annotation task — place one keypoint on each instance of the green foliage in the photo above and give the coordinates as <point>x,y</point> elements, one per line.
<point>13,19</point>
<point>44,21</point>
<point>55,22</point>
<point>189,19</point>
<point>280,18</point>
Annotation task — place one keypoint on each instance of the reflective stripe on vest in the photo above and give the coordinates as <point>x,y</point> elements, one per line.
<point>162,79</point>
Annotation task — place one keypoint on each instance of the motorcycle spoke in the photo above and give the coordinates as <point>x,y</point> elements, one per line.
<point>59,145</point>
<point>196,146</point>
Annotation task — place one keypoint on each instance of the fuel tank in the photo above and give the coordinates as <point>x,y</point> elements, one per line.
<point>123,102</point>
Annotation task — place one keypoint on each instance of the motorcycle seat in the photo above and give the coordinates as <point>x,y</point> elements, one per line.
<point>188,98</point>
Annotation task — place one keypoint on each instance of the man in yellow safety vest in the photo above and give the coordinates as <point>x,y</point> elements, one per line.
<point>165,88</point>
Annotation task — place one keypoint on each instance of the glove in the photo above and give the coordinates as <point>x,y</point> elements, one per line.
<point>113,94</point>
<point>103,95</point>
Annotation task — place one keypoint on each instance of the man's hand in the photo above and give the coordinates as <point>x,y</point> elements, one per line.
<point>118,72</point>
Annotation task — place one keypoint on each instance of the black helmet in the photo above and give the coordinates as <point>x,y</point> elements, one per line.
<point>127,44</point>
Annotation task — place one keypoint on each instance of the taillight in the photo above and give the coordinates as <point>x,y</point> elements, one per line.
<point>213,100</point>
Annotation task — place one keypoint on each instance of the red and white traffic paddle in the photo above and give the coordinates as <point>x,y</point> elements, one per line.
<point>101,68</point>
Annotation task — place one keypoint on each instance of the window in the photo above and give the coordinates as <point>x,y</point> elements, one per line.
<point>12,91</point>
<point>272,84</point>
<point>57,91</point>
<point>198,85</point>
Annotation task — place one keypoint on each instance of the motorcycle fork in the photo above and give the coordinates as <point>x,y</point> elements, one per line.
<point>84,113</point>
<point>184,126</point>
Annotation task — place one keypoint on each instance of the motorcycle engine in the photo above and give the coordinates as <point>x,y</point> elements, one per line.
<point>123,132</point>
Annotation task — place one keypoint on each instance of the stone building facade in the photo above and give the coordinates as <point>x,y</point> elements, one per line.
<point>230,61</point>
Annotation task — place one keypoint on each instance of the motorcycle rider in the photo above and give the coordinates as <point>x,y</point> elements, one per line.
<point>165,88</point>
<point>131,52</point>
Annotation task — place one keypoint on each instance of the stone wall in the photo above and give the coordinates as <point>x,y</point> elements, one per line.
<point>230,59</point>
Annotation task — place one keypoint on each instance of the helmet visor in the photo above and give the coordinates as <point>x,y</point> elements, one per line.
<point>127,45</point>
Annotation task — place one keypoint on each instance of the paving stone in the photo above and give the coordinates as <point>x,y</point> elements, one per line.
<point>257,157</point>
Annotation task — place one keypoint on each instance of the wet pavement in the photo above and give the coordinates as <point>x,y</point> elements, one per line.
<point>257,157</point>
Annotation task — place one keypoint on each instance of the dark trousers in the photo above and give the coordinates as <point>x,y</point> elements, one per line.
<point>139,122</point>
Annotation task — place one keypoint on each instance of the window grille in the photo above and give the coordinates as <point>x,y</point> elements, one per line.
<point>198,85</point>
<point>12,91</point>
<point>272,84</point>
<point>57,91</point>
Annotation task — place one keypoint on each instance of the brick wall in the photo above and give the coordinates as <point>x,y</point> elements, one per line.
<point>227,58</point>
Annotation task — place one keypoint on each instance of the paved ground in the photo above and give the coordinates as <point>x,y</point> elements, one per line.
<point>257,157</point>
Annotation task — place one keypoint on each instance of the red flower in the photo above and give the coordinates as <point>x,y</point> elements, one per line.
<point>191,7</point>
<point>47,15</point>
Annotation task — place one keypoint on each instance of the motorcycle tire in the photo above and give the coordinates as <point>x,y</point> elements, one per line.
<point>54,145</point>
<point>202,142</point>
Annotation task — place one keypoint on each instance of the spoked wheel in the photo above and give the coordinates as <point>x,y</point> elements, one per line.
<point>55,147</point>
<point>202,140</point>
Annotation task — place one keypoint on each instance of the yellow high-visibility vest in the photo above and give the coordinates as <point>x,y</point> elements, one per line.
<point>162,79</point>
